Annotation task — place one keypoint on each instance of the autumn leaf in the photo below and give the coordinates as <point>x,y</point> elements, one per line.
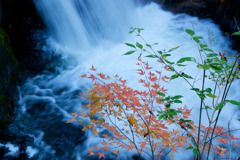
<point>83,76</point>
<point>101,155</point>
<point>93,69</point>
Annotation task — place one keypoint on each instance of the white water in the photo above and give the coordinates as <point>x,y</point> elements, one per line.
<point>93,32</point>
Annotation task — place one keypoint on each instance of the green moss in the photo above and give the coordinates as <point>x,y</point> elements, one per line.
<point>3,100</point>
<point>4,41</point>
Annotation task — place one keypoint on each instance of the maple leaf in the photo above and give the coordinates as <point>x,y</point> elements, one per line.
<point>222,140</point>
<point>101,155</point>
<point>96,147</point>
<point>140,72</point>
<point>122,145</point>
<point>115,152</point>
<point>147,67</point>
<point>92,77</point>
<point>130,147</point>
<point>90,151</point>
<point>146,85</point>
<point>141,81</point>
<point>104,143</point>
<point>83,76</point>
<point>166,67</point>
<point>105,149</point>
<point>93,69</point>
<point>143,144</point>
<point>153,79</point>
<point>163,90</point>
<point>102,75</point>
<point>155,86</point>
<point>151,74</point>
<point>95,132</point>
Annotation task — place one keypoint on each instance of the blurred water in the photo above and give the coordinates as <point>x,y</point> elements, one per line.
<point>93,32</point>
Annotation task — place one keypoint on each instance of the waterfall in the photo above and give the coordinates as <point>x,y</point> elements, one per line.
<point>93,32</point>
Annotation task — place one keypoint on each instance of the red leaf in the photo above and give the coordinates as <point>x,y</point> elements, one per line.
<point>92,77</point>
<point>93,69</point>
<point>141,72</point>
<point>83,76</point>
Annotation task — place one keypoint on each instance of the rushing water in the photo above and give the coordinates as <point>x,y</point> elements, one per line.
<point>86,33</point>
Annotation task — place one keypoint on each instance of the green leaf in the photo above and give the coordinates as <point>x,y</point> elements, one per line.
<point>160,52</point>
<point>211,96</point>
<point>190,32</point>
<point>199,37</point>
<point>140,29</point>
<point>186,76</point>
<point>130,31</point>
<point>190,126</point>
<point>206,67</point>
<point>162,100</point>
<point>139,45</point>
<point>207,107</point>
<point>228,67</point>
<point>129,52</point>
<point>200,66</point>
<point>202,96</point>
<point>160,117</point>
<point>195,89</point>
<point>220,106</point>
<point>172,49</point>
<point>207,49</point>
<point>169,62</point>
<point>174,77</point>
<point>191,147</point>
<point>203,45</point>
<point>238,119</point>
<point>177,97</point>
<point>179,111</point>
<point>233,102</point>
<point>195,151</point>
<point>167,55</point>
<point>215,68</point>
<point>209,90</point>
<point>130,45</point>
<point>148,45</point>
<point>161,94</point>
<point>212,55</point>
<point>196,39</point>
<point>152,56</point>
<point>236,33</point>
<point>177,101</point>
<point>183,120</point>
<point>167,105</point>
<point>181,65</point>
<point>185,59</point>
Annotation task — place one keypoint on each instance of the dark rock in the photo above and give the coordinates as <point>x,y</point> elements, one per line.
<point>21,22</point>
<point>8,81</point>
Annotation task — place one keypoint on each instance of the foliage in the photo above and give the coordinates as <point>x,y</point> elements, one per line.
<point>149,121</point>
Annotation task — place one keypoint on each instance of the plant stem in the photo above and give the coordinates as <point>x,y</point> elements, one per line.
<point>200,116</point>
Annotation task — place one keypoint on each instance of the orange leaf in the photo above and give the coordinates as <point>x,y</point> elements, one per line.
<point>101,155</point>
<point>115,152</point>
<point>83,76</point>
<point>105,149</point>
<point>93,69</point>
